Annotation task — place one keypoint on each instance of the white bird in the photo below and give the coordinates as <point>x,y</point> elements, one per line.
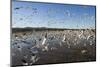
<point>81,34</point>
<point>64,37</point>
<point>25,63</point>
<point>45,48</point>
<point>44,40</point>
<point>83,51</point>
<point>34,59</point>
<point>88,37</point>
<point>90,42</point>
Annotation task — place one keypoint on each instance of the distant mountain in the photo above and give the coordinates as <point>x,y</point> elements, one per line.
<point>40,29</point>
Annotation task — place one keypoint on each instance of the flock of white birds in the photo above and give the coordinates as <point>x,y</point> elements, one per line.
<point>27,47</point>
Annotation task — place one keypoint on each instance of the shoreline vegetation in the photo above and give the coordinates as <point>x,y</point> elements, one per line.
<point>44,28</point>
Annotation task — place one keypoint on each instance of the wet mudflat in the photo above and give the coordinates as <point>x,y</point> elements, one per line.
<point>52,46</point>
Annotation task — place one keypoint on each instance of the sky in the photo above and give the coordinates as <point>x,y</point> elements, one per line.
<point>52,15</point>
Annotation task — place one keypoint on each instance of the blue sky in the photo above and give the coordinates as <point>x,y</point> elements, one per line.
<point>30,14</point>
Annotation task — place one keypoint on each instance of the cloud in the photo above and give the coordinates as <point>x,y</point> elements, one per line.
<point>68,13</point>
<point>92,17</point>
<point>84,6</point>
